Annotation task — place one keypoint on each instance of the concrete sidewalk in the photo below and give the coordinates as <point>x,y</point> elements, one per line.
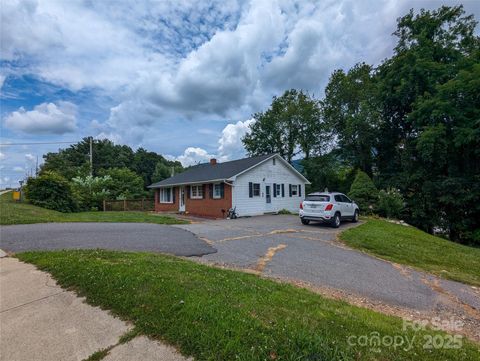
<point>41,321</point>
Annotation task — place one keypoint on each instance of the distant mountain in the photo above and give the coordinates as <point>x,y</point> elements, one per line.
<point>297,164</point>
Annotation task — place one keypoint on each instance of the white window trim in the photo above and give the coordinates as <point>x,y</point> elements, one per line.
<point>294,192</point>
<point>162,191</point>
<point>259,190</point>
<point>215,187</point>
<point>198,187</point>
<point>278,190</point>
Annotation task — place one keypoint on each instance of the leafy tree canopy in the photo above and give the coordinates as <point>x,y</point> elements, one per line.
<point>74,160</point>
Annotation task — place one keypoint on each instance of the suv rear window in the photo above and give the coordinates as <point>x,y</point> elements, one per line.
<point>318,198</point>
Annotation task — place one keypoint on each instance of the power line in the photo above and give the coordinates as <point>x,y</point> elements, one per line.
<point>34,143</point>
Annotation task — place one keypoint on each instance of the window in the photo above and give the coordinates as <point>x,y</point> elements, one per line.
<point>256,189</point>
<point>166,195</point>
<point>273,161</point>
<point>294,189</point>
<point>338,198</point>
<point>346,199</point>
<point>196,192</point>
<point>318,198</point>
<point>277,190</point>
<point>217,191</point>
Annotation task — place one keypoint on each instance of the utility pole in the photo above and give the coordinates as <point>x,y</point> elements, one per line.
<point>36,167</point>
<point>91,157</point>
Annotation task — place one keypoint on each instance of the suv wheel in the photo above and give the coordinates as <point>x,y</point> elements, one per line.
<point>355,217</point>
<point>336,220</point>
<point>305,221</point>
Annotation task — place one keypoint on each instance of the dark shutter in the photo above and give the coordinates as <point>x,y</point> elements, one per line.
<point>187,189</point>
<point>283,190</point>
<point>204,186</point>
<point>174,189</point>
<point>222,190</point>
<point>274,188</point>
<point>250,189</point>
<point>299,190</point>
<point>210,187</point>
<point>290,190</point>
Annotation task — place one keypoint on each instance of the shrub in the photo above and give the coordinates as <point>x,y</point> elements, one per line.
<point>50,190</point>
<point>390,203</point>
<point>285,211</point>
<point>124,183</point>
<point>91,191</point>
<point>364,192</point>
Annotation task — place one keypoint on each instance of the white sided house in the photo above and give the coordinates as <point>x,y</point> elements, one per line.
<point>253,186</point>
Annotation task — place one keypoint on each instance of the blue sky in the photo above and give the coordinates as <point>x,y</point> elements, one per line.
<point>181,78</point>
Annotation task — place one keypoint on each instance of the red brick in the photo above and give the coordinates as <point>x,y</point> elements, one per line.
<point>206,207</point>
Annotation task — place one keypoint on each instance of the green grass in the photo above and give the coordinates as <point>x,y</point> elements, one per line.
<point>410,246</point>
<point>23,213</point>
<point>217,314</point>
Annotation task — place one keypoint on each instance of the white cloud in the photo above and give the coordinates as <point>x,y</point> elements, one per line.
<point>46,118</point>
<point>18,169</point>
<point>230,143</point>
<point>230,146</point>
<point>193,155</point>
<point>173,64</point>
<point>2,156</point>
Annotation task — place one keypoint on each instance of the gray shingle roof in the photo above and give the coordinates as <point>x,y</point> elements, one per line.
<point>206,172</point>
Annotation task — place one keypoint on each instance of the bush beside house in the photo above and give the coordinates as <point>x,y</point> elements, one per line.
<point>50,190</point>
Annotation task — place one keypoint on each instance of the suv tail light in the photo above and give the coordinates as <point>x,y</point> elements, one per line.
<point>329,207</point>
<point>301,205</point>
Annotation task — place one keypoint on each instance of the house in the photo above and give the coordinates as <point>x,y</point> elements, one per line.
<point>256,185</point>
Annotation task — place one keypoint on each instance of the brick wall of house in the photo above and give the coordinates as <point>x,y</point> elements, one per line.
<point>209,207</point>
<point>166,207</point>
<point>205,207</point>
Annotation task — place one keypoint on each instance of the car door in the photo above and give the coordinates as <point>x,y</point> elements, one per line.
<point>348,205</point>
<point>340,204</point>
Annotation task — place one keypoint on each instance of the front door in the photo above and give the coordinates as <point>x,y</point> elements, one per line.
<point>268,196</point>
<point>181,202</point>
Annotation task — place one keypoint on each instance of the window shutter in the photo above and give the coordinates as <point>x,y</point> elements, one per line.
<point>250,189</point>
<point>204,186</point>
<point>210,187</point>
<point>283,190</point>
<point>222,190</point>
<point>274,188</point>
<point>174,189</point>
<point>290,190</point>
<point>187,189</point>
<point>299,190</point>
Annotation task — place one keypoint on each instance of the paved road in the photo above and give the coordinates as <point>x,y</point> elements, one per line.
<point>280,246</point>
<point>118,236</point>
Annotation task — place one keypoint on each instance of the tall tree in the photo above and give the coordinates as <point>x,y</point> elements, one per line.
<point>429,96</point>
<point>351,114</point>
<point>74,160</point>
<point>291,124</point>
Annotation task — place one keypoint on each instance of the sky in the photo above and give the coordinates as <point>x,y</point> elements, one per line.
<point>181,78</point>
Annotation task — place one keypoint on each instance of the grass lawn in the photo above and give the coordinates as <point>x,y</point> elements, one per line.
<point>23,213</point>
<point>410,246</point>
<point>216,314</point>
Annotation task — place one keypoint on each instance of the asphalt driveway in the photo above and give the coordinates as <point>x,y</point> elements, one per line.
<point>280,246</point>
<point>116,236</point>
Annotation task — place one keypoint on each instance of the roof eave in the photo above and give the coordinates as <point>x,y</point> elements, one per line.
<point>187,183</point>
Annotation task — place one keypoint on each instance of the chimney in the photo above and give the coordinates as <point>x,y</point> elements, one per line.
<point>213,161</point>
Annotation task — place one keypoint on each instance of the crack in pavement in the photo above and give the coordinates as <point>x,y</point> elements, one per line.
<point>263,261</point>
<point>33,301</point>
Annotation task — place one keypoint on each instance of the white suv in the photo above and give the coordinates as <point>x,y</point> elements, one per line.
<point>328,207</point>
